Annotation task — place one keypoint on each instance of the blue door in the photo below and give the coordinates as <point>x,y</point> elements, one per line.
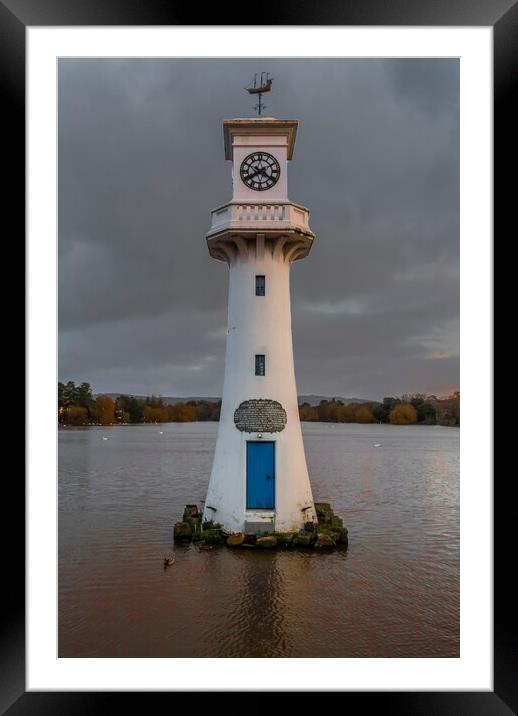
<point>260,476</point>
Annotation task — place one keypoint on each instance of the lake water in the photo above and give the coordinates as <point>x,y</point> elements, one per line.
<point>393,593</point>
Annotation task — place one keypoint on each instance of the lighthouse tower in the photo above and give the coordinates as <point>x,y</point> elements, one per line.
<point>259,480</point>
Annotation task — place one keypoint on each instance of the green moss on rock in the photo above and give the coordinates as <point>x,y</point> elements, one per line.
<point>304,540</point>
<point>328,533</point>
<point>344,536</point>
<point>324,513</point>
<point>212,536</point>
<point>182,531</point>
<point>324,541</point>
<point>284,538</point>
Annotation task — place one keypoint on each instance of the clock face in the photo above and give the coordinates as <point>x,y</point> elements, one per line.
<point>260,171</point>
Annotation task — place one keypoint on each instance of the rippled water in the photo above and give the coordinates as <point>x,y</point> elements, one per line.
<point>393,593</point>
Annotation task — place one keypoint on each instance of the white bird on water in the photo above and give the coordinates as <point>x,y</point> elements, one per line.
<point>104,438</point>
<point>161,432</point>
<point>377,444</point>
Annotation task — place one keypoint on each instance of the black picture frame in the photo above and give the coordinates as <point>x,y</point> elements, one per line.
<point>15,16</point>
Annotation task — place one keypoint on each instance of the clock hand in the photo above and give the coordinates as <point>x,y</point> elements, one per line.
<point>263,171</point>
<point>257,171</point>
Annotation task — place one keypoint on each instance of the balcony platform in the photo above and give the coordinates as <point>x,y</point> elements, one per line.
<point>238,220</point>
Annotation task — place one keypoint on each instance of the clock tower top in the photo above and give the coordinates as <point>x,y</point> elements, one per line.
<point>259,148</point>
<point>235,130</point>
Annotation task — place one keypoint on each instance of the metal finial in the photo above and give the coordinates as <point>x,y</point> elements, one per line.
<point>264,86</point>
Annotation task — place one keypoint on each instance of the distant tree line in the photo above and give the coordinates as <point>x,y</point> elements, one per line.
<point>417,409</point>
<point>77,406</point>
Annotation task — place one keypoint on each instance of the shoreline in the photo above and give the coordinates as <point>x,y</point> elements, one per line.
<point>306,422</point>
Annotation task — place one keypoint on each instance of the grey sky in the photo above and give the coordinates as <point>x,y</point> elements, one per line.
<point>375,306</point>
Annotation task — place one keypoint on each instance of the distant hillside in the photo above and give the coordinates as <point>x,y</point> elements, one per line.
<point>311,399</point>
<point>167,399</point>
<point>315,399</point>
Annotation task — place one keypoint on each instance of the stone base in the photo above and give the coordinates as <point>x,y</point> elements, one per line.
<point>328,533</point>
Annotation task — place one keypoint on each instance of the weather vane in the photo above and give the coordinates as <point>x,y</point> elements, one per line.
<point>265,85</point>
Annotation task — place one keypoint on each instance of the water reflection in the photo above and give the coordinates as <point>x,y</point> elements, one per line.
<point>255,624</point>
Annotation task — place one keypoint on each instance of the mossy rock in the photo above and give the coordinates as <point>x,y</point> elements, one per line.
<point>191,511</point>
<point>268,541</point>
<point>334,534</point>
<point>284,538</point>
<point>236,540</point>
<point>338,534</point>
<point>324,541</point>
<point>195,523</point>
<point>324,512</point>
<point>324,528</point>
<point>182,531</point>
<point>337,521</point>
<point>212,537</point>
<point>323,508</point>
<point>344,536</point>
<point>304,540</point>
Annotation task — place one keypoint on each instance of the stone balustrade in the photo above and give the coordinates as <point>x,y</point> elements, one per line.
<point>258,216</point>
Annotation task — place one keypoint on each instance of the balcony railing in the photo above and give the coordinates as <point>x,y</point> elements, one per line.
<point>236,216</point>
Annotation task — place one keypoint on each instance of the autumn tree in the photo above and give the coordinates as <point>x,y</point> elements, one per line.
<point>448,410</point>
<point>103,410</point>
<point>389,403</point>
<point>76,415</point>
<point>329,410</point>
<point>403,414</point>
<point>182,413</point>
<point>363,414</point>
<point>308,413</point>
<point>347,413</point>
<point>155,414</point>
<point>121,414</point>
<point>216,411</point>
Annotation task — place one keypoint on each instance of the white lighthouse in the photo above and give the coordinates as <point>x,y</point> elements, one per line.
<point>259,480</point>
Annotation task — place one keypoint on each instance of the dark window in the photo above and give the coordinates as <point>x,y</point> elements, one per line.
<point>259,365</point>
<point>260,285</point>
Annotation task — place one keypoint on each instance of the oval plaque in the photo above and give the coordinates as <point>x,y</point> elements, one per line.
<point>260,415</point>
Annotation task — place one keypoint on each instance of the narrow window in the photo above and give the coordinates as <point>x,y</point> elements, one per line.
<point>259,365</point>
<point>260,285</point>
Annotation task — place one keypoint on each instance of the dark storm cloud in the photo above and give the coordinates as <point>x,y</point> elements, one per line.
<point>142,307</point>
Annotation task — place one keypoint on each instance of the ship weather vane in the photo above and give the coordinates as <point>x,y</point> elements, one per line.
<point>265,85</point>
